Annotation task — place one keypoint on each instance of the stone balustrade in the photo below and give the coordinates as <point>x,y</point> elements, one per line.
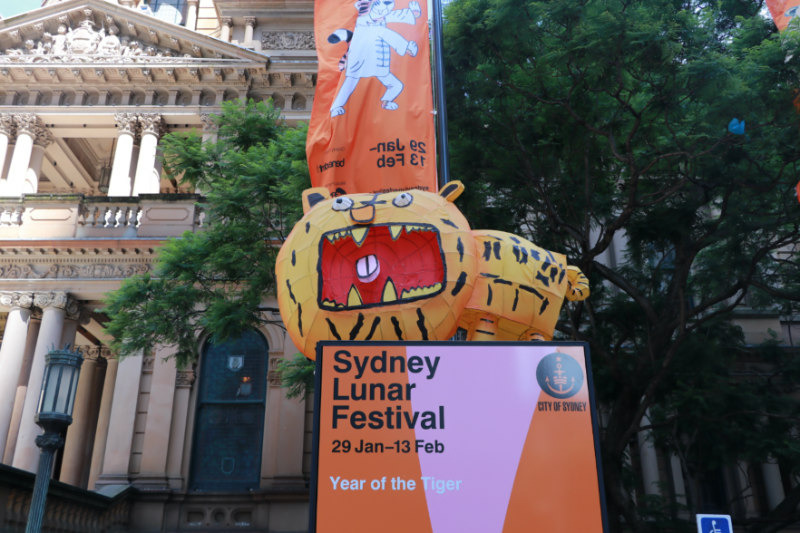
<point>75,216</point>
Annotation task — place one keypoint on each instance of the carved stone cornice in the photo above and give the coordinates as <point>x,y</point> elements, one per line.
<point>226,21</point>
<point>250,21</point>
<point>23,300</point>
<point>151,123</point>
<point>288,40</point>
<point>184,379</point>
<point>56,299</point>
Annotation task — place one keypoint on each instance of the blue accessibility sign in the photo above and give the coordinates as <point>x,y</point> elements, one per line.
<point>714,523</point>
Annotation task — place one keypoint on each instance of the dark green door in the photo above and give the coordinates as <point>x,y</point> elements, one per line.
<point>229,427</point>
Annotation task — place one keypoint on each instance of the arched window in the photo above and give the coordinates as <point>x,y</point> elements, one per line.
<point>229,424</point>
<point>169,10</point>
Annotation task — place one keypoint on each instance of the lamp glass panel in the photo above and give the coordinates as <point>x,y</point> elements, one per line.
<point>62,401</point>
<point>51,378</point>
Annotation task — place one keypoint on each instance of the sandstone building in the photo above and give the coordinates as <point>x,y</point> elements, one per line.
<point>87,89</point>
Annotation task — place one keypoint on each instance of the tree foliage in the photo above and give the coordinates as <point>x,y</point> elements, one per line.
<point>215,280</point>
<point>600,128</point>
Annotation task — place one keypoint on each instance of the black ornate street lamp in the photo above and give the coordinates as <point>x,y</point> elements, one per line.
<point>62,368</point>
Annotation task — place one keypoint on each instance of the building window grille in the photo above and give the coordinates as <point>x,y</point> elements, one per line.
<point>229,425</point>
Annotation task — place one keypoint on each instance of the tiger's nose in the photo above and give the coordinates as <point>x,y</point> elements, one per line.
<point>363,215</point>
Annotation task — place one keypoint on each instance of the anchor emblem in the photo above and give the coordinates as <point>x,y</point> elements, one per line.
<point>560,380</point>
<point>560,375</point>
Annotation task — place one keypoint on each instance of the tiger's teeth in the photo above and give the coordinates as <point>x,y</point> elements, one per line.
<point>353,297</point>
<point>359,234</point>
<point>420,291</point>
<point>395,231</point>
<point>389,292</point>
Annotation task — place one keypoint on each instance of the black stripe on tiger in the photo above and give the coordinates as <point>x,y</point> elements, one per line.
<point>460,250</point>
<point>449,222</point>
<point>501,281</point>
<point>291,294</point>
<point>294,259</point>
<point>421,324</point>
<point>300,319</point>
<point>489,296</point>
<point>357,327</point>
<point>544,279</point>
<point>561,277</point>
<point>397,330</point>
<point>516,300</point>
<point>373,328</point>
<point>308,226</point>
<point>485,332</point>
<point>545,303</point>
<point>333,329</point>
<point>462,279</point>
<point>531,290</point>
<point>496,249</point>
<point>487,251</point>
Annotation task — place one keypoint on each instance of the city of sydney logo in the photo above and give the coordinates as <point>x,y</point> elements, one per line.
<point>559,375</point>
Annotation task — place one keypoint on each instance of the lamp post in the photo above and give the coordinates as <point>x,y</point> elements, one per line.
<point>62,368</point>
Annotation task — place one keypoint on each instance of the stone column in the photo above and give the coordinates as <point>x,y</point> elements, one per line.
<point>177,433</point>
<point>147,180</point>
<point>54,306</point>
<point>120,181</point>
<point>225,34</point>
<point>155,446</point>
<point>773,487</point>
<point>119,439</point>
<point>77,440</point>
<point>103,421</point>
<point>12,354</point>
<point>191,15</point>
<point>7,130</point>
<point>27,126</point>
<point>649,460</point>
<point>22,386</point>
<point>249,26</point>
<point>43,139</point>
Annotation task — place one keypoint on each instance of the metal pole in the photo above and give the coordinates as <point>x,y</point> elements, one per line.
<point>438,94</point>
<point>49,443</point>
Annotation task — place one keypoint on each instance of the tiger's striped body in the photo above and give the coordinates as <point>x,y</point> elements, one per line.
<point>406,266</point>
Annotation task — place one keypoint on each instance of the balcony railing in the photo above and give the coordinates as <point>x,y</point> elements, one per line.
<point>75,216</point>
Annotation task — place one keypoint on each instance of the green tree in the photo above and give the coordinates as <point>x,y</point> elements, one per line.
<point>214,280</point>
<point>600,128</point>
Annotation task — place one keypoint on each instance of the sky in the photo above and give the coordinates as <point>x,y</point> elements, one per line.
<point>9,8</point>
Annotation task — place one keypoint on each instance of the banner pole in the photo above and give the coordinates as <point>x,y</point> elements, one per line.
<point>438,95</point>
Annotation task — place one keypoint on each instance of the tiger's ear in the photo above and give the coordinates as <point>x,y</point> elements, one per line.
<point>451,190</point>
<point>313,196</point>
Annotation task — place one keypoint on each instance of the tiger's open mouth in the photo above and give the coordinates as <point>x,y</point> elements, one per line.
<point>381,264</point>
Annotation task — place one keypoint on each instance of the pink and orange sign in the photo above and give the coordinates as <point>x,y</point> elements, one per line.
<point>454,438</point>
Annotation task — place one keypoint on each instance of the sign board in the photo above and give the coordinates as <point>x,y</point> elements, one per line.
<point>447,437</point>
<point>714,523</point>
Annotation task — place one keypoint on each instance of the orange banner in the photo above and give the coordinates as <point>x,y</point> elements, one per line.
<point>783,11</point>
<point>372,124</point>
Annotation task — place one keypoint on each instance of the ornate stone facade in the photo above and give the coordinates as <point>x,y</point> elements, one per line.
<point>88,88</point>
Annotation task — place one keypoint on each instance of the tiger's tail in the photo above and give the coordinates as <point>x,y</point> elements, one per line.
<point>577,284</point>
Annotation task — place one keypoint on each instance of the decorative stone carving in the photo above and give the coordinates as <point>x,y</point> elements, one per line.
<point>74,271</point>
<point>43,137</point>
<point>7,125</point>
<point>57,299</point>
<point>151,123</point>
<point>127,122</point>
<point>288,40</point>
<point>184,379</point>
<point>84,39</point>
<point>28,123</point>
<point>16,299</point>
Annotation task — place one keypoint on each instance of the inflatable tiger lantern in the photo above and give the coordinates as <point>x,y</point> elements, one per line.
<point>406,266</point>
